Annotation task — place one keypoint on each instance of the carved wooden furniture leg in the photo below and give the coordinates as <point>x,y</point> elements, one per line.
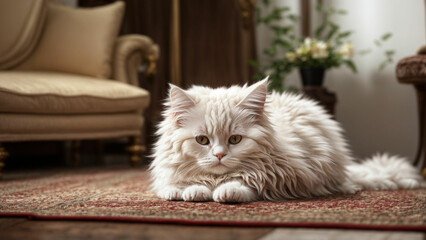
<point>411,70</point>
<point>3,156</point>
<point>135,150</point>
<point>76,156</point>
<point>421,105</point>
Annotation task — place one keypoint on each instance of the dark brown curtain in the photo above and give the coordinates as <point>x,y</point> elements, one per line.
<point>152,18</point>
<point>216,41</point>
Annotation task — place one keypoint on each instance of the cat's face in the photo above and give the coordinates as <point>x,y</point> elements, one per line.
<point>218,143</point>
<point>218,129</point>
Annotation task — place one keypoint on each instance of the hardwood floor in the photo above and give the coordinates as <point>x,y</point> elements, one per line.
<point>22,228</point>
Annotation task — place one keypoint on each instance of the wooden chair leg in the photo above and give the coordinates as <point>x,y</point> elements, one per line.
<point>421,149</point>
<point>135,149</point>
<point>76,156</point>
<point>3,156</point>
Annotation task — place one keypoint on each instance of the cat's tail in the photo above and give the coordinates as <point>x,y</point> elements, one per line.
<point>384,172</point>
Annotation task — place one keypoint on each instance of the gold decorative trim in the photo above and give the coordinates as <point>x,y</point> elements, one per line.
<point>135,150</point>
<point>152,65</point>
<point>246,8</point>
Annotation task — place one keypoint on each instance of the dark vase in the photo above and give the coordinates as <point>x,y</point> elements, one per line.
<point>312,76</point>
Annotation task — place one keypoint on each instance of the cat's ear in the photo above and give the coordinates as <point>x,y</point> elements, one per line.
<point>254,102</point>
<point>180,103</point>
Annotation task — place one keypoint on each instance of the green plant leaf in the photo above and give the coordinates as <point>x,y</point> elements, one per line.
<point>273,16</point>
<point>383,65</point>
<point>386,36</point>
<point>351,65</point>
<point>279,30</point>
<point>319,8</point>
<point>283,9</point>
<point>258,16</point>
<point>282,43</point>
<point>293,17</point>
<point>320,30</point>
<point>364,52</point>
<point>377,42</point>
<point>271,51</point>
<point>254,63</point>
<point>259,75</point>
<point>344,34</point>
<point>266,2</point>
<point>342,12</point>
<point>334,29</point>
<point>390,53</point>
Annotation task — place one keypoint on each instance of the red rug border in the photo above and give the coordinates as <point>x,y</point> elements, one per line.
<point>220,223</point>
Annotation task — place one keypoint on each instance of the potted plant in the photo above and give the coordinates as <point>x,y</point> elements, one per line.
<point>313,57</point>
<point>329,47</point>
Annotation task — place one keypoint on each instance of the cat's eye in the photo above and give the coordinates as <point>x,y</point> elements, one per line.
<point>203,140</point>
<point>235,139</point>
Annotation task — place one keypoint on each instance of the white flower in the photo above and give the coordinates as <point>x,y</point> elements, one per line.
<point>346,50</point>
<point>311,48</point>
<point>291,56</point>
<point>308,42</point>
<point>322,45</point>
<point>319,49</point>
<point>300,50</point>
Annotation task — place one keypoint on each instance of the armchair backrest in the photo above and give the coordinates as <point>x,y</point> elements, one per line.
<point>72,40</point>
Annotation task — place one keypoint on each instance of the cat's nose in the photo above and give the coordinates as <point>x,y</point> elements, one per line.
<point>220,155</point>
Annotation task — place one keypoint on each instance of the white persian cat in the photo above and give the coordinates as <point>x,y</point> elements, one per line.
<point>239,144</point>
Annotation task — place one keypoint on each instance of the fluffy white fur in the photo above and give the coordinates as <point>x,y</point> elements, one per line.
<point>290,148</point>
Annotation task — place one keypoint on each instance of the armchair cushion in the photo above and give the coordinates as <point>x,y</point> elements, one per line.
<point>27,127</point>
<point>77,40</point>
<point>60,93</point>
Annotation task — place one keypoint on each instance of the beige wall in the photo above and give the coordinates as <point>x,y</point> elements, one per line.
<point>377,113</point>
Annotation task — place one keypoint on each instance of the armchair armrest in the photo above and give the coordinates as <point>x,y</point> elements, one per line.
<point>131,51</point>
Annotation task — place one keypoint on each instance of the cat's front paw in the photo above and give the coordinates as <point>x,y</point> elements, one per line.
<point>170,194</point>
<point>233,192</point>
<point>197,193</point>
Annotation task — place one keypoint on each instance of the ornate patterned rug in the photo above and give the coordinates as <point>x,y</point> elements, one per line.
<point>122,195</point>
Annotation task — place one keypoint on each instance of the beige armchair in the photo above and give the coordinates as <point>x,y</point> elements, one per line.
<point>65,75</point>
<point>412,70</point>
